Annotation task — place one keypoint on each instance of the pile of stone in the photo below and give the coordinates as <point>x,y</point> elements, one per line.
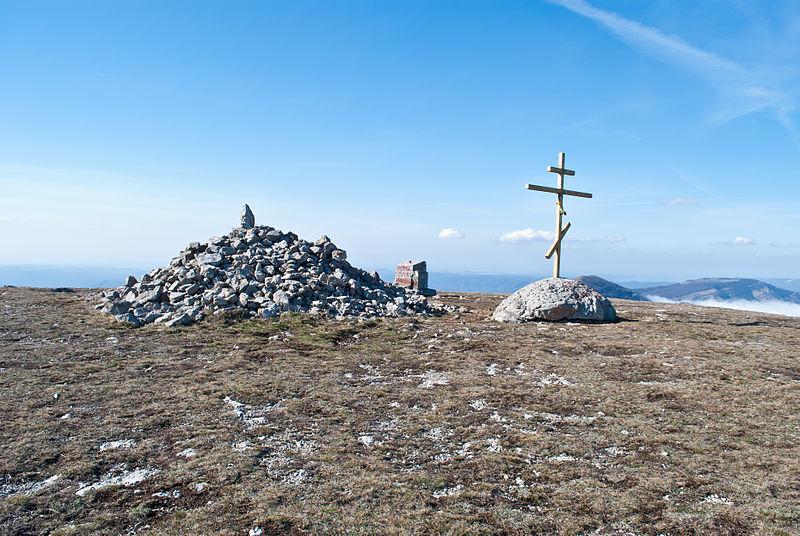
<point>555,299</point>
<point>261,272</point>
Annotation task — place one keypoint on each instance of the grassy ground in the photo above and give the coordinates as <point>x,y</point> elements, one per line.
<point>676,420</point>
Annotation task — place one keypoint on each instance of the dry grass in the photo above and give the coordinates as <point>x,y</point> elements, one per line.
<point>676,420</point>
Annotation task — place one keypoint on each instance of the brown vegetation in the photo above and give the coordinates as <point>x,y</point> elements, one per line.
<point>675,420</point>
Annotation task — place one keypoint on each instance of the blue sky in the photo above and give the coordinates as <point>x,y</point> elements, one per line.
<point>128,129</point>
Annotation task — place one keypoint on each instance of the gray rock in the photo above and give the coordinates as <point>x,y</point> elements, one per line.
<point>248,220</point>
<point>555,299</point>
<point>179,320</point>
<point>153,295</point>
<point>214,259</point>
<point>129,318</point>
<point>130,281</point>
<point>117,308</point>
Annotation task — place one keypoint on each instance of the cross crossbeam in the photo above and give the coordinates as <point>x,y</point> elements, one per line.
<point>557,191</point>
<point>561,170</point>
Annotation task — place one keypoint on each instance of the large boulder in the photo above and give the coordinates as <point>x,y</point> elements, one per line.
<point>555,299</point>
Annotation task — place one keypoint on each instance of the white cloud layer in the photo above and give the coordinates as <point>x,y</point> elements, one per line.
<point>783,244</point>
<point>775,307</point>
<point>746,91</point>
<point>448,233</point>
<point>526,235</point>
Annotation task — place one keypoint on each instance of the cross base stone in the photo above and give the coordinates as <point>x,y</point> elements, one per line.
<point>555,299</point>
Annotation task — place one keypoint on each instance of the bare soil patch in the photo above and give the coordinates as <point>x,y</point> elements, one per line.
<point>676,420</point>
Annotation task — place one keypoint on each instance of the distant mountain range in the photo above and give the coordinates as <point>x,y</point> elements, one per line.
<point>697,290</point>
<point>609,289</point>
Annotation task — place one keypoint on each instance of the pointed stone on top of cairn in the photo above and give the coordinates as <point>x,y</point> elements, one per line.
<point>248,220</point>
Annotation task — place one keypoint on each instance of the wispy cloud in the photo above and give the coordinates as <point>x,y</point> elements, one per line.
<point>784,244</point>
<point>448,233</point>
<point>682,202</point>
<point>526,235</point>
<point>738,241</point>
<point>745,89</point>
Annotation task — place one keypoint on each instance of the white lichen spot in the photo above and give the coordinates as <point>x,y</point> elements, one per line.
<point>120,444</point>
<point>494,445</point>
<point>432,378</point>
<point>554,379</point>
<point>478,404</point>
<point>28,488</point>
<point>717,499</point>
<point>366,440</point>
<point>464,450</point>
<point>238,407</point>
<point>491,370</point>
<point>125,478</point>
<point>448,492</point>
<point>188,453</point>
<point>295,478</point>
<point>563,457</point>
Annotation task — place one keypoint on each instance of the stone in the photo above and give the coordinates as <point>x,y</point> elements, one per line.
<point>555,299</point>
<point>214,259</point>
<point>414,275</point>
<point>119,307</point>
<point>128,318</point>
<point>179,320</point>
<point>248,220</point>
<point>130,281</point>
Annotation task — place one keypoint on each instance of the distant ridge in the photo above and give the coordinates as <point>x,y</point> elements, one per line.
<point>609,289</point>
<point>722,289</point>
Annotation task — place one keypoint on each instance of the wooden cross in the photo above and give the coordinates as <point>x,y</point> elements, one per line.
<point>561,192</point>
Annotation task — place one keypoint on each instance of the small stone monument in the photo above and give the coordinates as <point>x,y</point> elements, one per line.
<point>248,220</point>
<point>413,275</point>
<point>555,298</point>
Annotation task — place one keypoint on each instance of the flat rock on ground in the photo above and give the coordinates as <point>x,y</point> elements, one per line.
<point>555,299</point>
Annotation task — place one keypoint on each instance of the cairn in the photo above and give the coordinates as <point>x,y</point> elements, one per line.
<point>261,272</point>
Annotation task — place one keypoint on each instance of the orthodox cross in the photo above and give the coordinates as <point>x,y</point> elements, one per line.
<point>561,192</point>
